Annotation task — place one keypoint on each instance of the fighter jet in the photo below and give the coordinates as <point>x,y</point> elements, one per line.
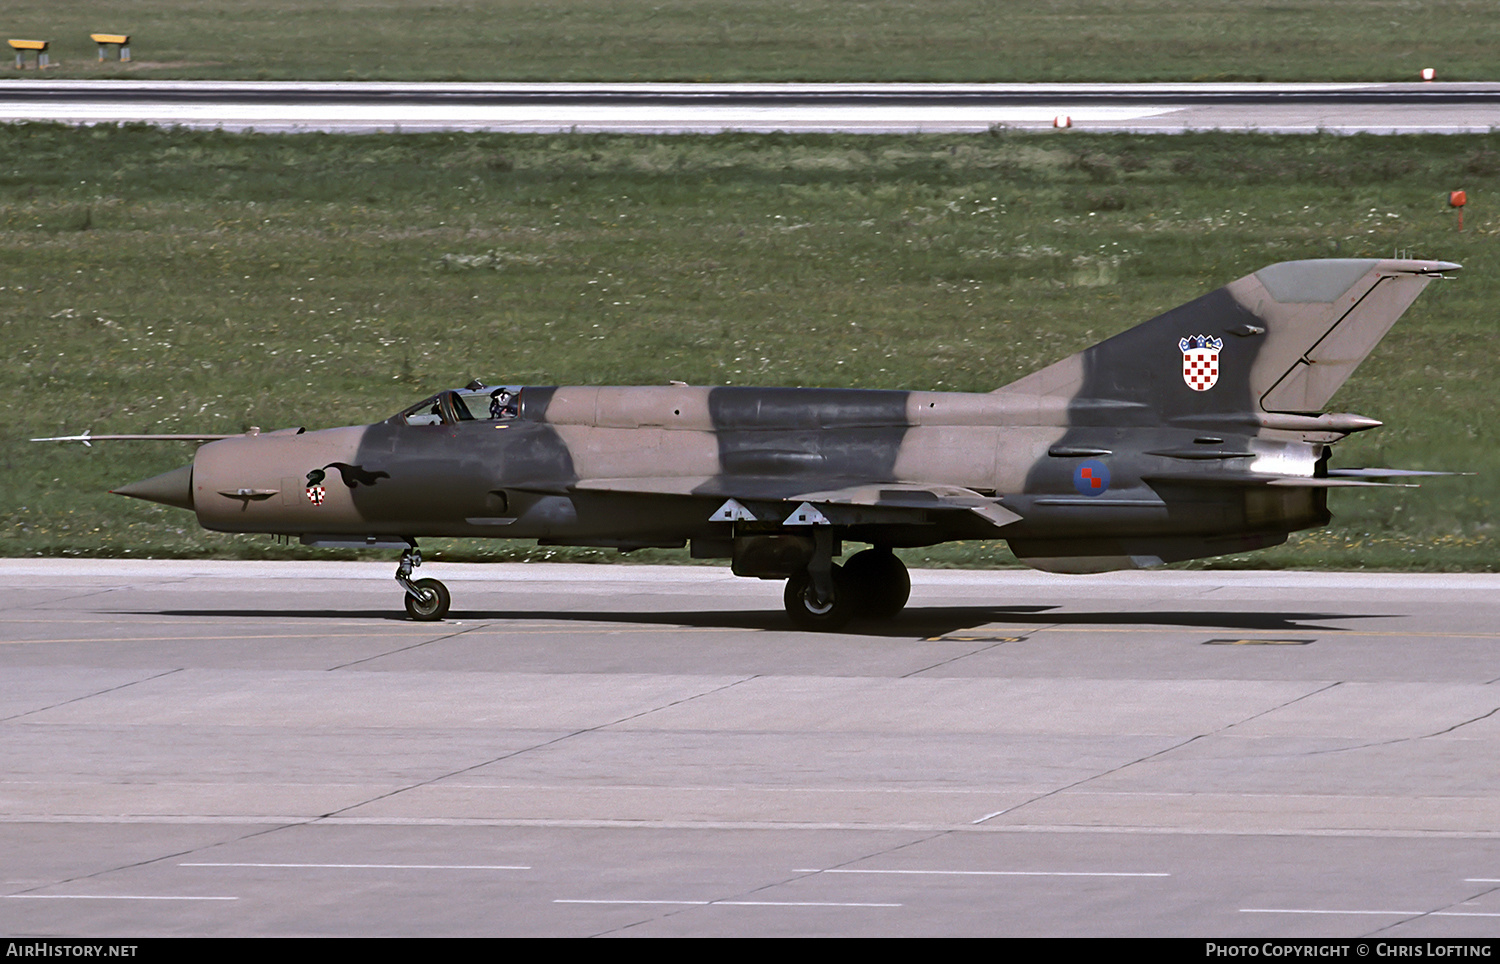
<point>1197,433</point>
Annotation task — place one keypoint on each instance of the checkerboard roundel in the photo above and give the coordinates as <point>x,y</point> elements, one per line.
<point>1091,477</point>
<point>1200,361</point>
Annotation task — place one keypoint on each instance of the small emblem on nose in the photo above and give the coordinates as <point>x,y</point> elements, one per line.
<point>315,491</point>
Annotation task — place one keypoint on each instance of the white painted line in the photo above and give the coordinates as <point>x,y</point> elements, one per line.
<point>375,865</point>
<point>731,903</point>
<point>986,873</point>
<point>108,897</point>
<point>793,903</point>
<point>1293,910</point>
<point>685,903</point>
<point>1375,913</point>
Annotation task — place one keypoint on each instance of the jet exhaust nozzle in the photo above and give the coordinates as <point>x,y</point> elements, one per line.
<point>174,488</point>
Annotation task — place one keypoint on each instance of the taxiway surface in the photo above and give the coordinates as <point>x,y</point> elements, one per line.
<point>236,748</point>
<point>714,108</point>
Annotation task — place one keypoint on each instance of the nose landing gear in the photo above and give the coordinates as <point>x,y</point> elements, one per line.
<point>427,600</point>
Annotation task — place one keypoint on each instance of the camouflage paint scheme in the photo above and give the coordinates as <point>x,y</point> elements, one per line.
<point>1194,434</point>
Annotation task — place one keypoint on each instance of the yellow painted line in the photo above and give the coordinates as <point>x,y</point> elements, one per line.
<point>1200,630</point>
<point>491,631</point>
<point>136,624</point>
<point>200,639</point>
<point>974,638</point>
<point>155,619</point>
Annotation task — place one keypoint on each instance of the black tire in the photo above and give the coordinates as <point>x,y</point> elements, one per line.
<point>434,602</point>
<point>808,615</point>
<point>881,582</point>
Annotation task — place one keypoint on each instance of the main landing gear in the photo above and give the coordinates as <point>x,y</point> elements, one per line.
<point>427,600</point>
<point>873,584</point>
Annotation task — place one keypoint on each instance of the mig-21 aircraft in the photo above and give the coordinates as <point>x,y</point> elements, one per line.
<point>1197,433</point>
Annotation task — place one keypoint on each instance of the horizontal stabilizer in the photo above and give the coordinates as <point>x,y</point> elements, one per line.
<point>1386,473</point>
<point>1244,479</point>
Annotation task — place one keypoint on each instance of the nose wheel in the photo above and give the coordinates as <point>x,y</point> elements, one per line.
<point>430,603</point>
<point>427,600</point>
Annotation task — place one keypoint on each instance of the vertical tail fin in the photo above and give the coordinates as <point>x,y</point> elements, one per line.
<point>1280,340</point>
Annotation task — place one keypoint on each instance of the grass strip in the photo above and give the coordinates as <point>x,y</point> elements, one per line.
<point>770,40</point>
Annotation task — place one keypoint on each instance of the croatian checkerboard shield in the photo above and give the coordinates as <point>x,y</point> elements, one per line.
<point>1200,361</point>
<point>316,494</point>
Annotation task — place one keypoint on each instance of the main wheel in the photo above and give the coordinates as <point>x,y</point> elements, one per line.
<point>807,613</point>
<point>432,605</point>
<point>880,580</point>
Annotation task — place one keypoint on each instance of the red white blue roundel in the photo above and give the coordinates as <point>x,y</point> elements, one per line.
<point>1200,361</point>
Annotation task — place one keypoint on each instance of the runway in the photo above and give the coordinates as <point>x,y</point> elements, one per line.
<point>242,748</point>
<point>717,108</point>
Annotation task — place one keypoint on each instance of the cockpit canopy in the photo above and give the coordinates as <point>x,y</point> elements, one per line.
<point>475,402</point>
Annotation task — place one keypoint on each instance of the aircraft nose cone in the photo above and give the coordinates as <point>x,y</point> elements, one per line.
<point>174,488</point>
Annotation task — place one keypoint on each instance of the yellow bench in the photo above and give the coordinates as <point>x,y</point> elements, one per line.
<point>120,41</point>
<point>21,46</point>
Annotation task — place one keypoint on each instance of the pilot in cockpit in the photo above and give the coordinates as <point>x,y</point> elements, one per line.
<point>502,403</point>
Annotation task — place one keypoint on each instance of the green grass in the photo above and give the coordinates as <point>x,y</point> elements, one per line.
<point>159,281</point>
<point>744,40</point>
